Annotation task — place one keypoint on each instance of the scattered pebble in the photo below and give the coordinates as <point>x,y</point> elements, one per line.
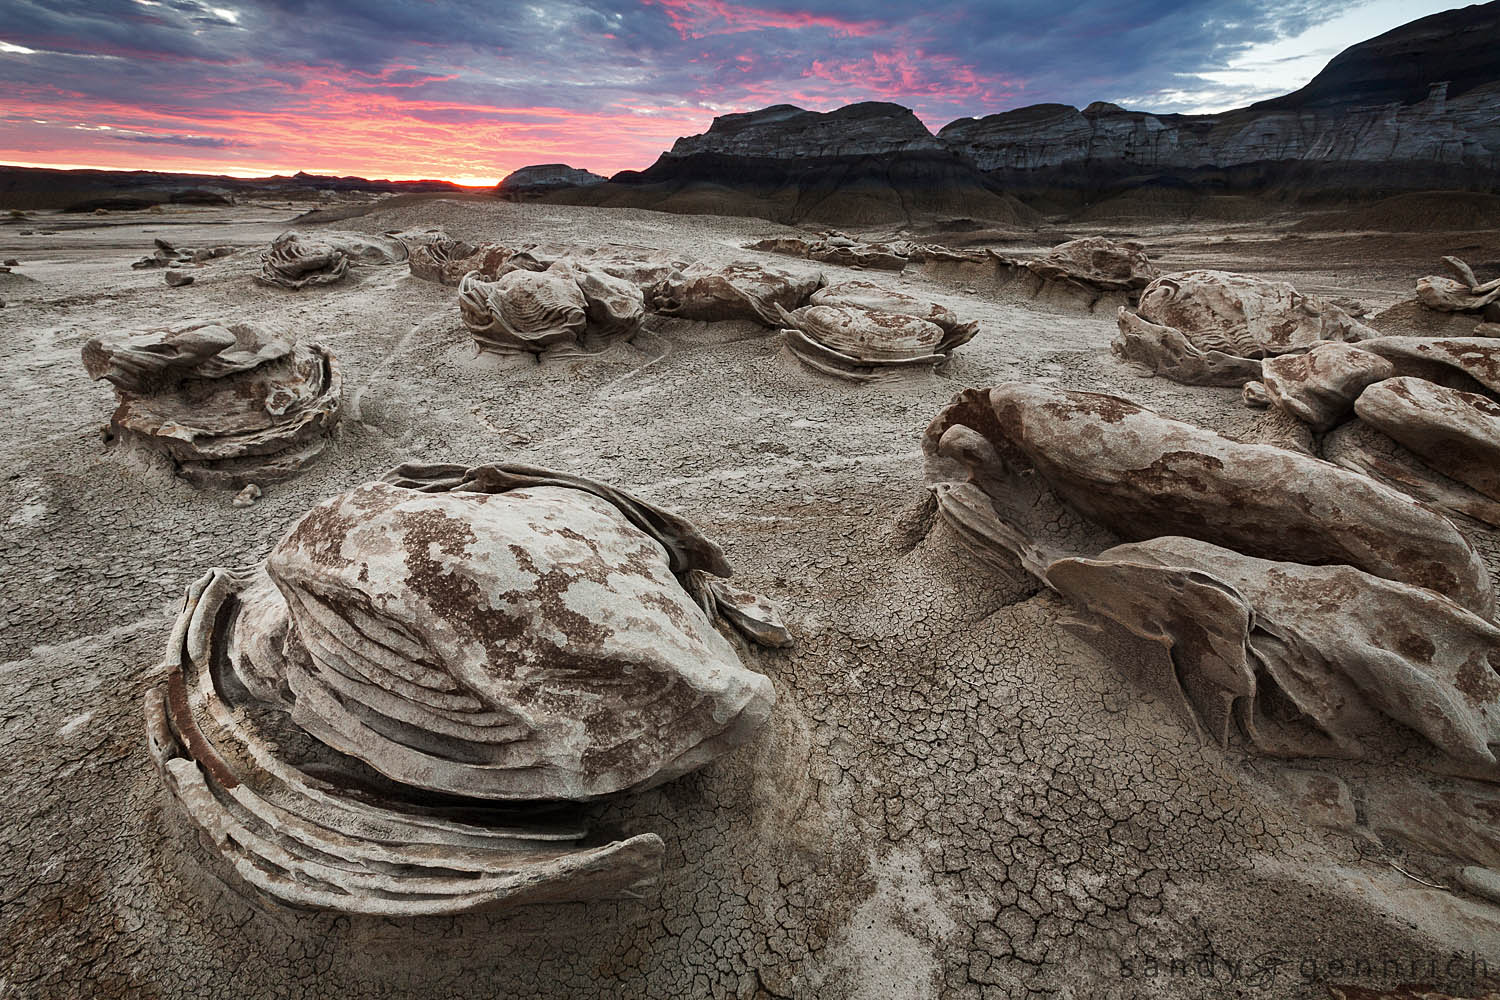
<point>177,279</point>
<point>247,496</point>
<point>12,262</point>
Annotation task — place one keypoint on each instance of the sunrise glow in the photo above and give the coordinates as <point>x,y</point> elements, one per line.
<point>440,90</point>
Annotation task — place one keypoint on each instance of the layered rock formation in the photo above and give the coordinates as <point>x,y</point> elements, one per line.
<point>1213,327</point>
<point>296,260</point>
<point>1409,110</point>
<point>502,634</point>
<point>544,177</point>
<point>1304,608</point>
<point>435,256</point>
<point>862,164</point>
<point>859,331</point>
<point>743,290</point>
<point>787,132</point>
<point>227,404</point>
<point>846,251</point>
<point>568,307</point>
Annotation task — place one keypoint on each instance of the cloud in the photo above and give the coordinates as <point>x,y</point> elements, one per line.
<point>450,88</point>
<point>200,141</point>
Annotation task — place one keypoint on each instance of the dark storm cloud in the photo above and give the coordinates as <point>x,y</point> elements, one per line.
<point>200,141</point>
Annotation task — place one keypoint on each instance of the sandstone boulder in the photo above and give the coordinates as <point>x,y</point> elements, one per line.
<point>836,248</point>
<point>1320,387</point>
<point>570,306</point>
<point>1466,293</point>
<point>1096,262</point>
<point>859,331</point>
<point>299,259</point>
<point>1263,648</point>
<point>1222,322</point>
<point>1306,608</point>
<point>1457,433</point>
<point>227,404</point>
<point>1035,470</point>
<point>492,635</point>
<point>743,290</point>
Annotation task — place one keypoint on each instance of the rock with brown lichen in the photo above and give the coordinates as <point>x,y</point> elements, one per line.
<point>503,636</point>
<point>1213,327</point>
<point>1304,606</point>
<point>743,290</point>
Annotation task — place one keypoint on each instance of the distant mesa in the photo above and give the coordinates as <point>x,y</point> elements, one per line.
<point>1408,111</point>
<point>33,188</point>
<point>546,177</point>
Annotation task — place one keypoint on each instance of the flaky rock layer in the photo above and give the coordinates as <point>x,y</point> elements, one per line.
<point>346,724</point>
<point>228,405</point>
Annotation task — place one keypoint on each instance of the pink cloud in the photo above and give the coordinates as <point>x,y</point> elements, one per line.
<point>701,18</point>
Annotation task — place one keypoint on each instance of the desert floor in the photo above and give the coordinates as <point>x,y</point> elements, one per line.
<point>958,795</point>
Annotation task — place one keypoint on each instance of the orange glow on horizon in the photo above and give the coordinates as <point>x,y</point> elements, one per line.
<point>244,172</point>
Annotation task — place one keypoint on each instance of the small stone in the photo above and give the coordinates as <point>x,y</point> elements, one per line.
<point>28,232</point>
<point>247,496</point>
<point>177,279</point>
<point>12,262</point>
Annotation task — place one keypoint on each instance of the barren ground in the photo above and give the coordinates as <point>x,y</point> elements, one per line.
<point>957,796</point>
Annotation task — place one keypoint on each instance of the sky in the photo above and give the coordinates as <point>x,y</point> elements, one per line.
<point>469,91</point>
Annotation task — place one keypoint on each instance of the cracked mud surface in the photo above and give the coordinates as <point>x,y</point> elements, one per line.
<point>957,795</point>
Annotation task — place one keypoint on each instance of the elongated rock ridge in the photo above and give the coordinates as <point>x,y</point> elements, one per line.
<point>1302,607</point>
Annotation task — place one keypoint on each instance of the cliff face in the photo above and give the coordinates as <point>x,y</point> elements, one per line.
<point>785,132</point>
<point>865,164</point>
<point>1417,108</point>
<point>1426,93</point>
<point>1461,47</point>
<point>1462,131</point>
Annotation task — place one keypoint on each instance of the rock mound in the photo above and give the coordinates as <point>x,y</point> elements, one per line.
<point>502,634</point>
<point>1282,591</point>
<point>1418,212</point>
<point>228,404</point>
<point>546,177</point>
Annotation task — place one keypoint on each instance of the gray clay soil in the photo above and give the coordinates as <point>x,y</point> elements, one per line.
<point>959,794</point>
